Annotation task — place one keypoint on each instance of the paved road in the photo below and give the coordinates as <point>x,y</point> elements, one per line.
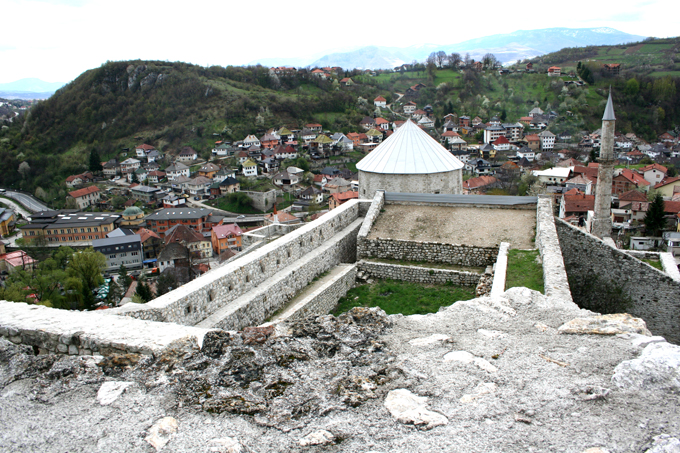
<point>16,206</point>
<point>31,203</point>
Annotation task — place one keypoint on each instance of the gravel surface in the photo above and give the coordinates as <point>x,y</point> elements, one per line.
<point>468,226</point>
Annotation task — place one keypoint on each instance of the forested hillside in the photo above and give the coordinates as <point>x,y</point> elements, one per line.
<point>171,105</point>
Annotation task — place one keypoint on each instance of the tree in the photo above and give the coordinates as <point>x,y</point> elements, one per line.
<point>117,202</point>
<point>489,61</point>
<point>144,291</point>
<point>441,57</point>
<point>24,168</point>
<point>123,278</point>
<point>115,293</point>
<point>166,283</point>
<point>468,60</point>
<point>655,219</point>
<point>95,163</point>
<point>632,87</point>
<point>87,266</point>
<point>134,177</point>
<point>454,60</point>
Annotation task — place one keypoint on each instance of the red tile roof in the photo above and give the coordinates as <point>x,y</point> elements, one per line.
<point>342,197</point>
<point>634,177</point>
<point>579,202</point>
<point>380,99</point>
<point>501,140</point>
<point>145,234</point>
<point>632,195</point>
<point>653,166</point>
<point>223,231</point>
<point>479,181</point>
<point>82,192</point>
<point>667,181</point>
<point>671,207</point>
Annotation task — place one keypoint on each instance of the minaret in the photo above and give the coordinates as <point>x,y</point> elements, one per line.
<point>602,220</point>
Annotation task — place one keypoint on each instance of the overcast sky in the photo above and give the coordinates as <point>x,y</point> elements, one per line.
<point>56,40</point>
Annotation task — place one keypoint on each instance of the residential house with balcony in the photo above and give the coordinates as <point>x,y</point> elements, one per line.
<point>225,237</point>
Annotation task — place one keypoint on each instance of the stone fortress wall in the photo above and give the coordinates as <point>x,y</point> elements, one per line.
<point>249,290</point>
<point>197,300</point>
<point>654,295</point>
<point>418,274</point>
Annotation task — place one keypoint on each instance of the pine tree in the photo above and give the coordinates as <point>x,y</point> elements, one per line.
<point>95,163</point>
<point>654,219</point>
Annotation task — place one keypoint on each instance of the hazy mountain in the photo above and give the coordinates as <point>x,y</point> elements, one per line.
<point>507,47</point>
<point>29,89</point>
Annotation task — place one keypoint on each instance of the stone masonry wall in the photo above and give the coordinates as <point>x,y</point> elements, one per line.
<point>418,274</point>
<point>431,252</point>
<point>655,296</point>
<point>555,279</point>
<point>262,201</point>
<point>259,304</point>
<point>372,214</point>
<point>85,333</point>
<point>198,299</point>
<point>325,299</point>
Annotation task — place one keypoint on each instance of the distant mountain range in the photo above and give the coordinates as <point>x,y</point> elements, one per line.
<point>29,89</point>
<point>507,48</point>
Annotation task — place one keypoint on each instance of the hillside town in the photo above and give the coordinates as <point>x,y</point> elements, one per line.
<point>153,212</point>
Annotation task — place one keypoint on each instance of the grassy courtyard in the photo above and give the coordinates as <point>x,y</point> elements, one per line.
<point>524,270</point>
<point>403,297</point>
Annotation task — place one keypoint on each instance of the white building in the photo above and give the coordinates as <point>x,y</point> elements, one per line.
<point>410,161</point>
<point>547,140</point>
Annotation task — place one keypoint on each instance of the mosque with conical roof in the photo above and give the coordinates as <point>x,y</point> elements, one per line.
<point>410,161</point>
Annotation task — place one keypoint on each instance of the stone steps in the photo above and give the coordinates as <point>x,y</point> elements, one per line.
<point>300,303</point>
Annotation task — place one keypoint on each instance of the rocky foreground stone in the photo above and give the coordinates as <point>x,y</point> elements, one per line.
<point>490,374</point>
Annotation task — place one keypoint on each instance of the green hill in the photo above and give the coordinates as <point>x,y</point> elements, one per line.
<point>654,57</point>
<point>171,105</point>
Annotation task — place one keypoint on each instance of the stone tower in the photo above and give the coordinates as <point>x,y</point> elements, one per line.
<point>602,221</point>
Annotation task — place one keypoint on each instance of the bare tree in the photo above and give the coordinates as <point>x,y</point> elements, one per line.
<point>441,58</point>
<point>489,61</point>
<point>454,60</point>
<point>468,60</point>
<point>432,59</point>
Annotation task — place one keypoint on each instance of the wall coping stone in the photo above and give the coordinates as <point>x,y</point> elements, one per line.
<point>500,270</point>
<point>555,279</point>
<point>94,330</point>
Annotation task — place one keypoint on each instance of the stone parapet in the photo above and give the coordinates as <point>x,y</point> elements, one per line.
<point>555,279</point>
<point>500,270</point>
<point>652,294</point>
<point>200,298</point>
<point>372,214</point>
<point>85,333</point>
<point>261,302</point>
<point>418,274</point>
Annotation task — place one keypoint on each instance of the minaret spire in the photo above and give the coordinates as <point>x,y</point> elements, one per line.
<point>601,225</point>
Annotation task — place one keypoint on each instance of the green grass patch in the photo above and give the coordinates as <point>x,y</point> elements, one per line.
<point>403,297</point>
<point>654,263</point>
<point>524,270</point>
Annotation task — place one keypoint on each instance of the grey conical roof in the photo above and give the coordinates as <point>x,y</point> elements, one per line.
<point>410,150</point>
<point>609,110</point>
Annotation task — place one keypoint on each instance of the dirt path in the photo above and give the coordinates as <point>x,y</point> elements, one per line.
<point>469,226</point>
